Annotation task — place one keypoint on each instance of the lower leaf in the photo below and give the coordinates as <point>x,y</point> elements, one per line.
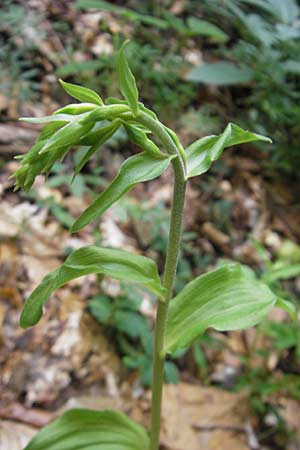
<point>83,429</point>
<point>87,260</point>
<point>228,298</point>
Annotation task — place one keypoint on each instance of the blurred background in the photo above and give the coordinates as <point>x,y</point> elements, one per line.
<point>198,65</point>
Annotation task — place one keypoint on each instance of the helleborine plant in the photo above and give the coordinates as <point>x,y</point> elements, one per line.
<point>228,298</point>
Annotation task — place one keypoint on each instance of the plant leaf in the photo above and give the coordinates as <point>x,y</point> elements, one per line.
<point>204,28</point>
<point>48,130</point>
<point>127,81</point>
<point>136,169</point>
<point>140,138</point>
<point>220,73</point>
<point>84,261</point>
<point>100,113</point>
<point>69,135</point>
<point>104,132</point>
<point>288,307</point>
<point>63,118</point>
<point>76,108</point>
<point>94,430</point>
<point>81,93</point>
<point>283,273</point>
<point>202,153</point>
<point>142,107</point>
<point>96,139</point>
<point>228,298</point>
<point>33,163</point>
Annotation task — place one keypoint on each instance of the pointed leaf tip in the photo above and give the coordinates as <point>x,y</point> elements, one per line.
<point>202,153</point>
<point>127,81</point>
<point>81,93</point>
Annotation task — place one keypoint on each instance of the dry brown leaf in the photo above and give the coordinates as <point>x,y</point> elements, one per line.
<point>15,436</point>
<point>13,218</point>
<point>195,417</point>
<point>9,270</point>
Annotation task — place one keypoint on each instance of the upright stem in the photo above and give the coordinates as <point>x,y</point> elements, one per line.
<point>162,308</point>
<point>169,274</point>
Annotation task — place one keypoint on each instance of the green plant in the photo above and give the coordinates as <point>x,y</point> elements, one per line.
<point>228,298</point>
<point>157,56</point>
<point>266,31</point>
<point>280,339</point>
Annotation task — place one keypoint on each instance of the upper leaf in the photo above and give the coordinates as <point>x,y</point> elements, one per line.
<point>96,139</point>
<point>63,118</point>
<point>82,94</point>
<point>76,108</point>
<point>127,81</point>
<point>84,261</point>
<point>203,152</point>
<point>136,169</point>
<point>93,430</point>
<point>68,135</point>
<point>139,137</point>
<point>228,298</point>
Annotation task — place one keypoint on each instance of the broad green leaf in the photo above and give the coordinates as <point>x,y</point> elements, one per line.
<point>82,94</point>
<point>127,81</point>
<point>136,169</point>
<point>228,298</point>
<point>202,153</point>
<point>84,429</point>
<point>204,28</point>
<point>87,260</point>
<point>96,139</point>
<point>220,73</point>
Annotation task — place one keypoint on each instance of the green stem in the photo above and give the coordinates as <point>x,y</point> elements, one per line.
<point>169,274</point>
<point>162,309</point>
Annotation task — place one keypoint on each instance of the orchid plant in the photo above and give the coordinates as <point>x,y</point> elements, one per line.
<point>227,298</point>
